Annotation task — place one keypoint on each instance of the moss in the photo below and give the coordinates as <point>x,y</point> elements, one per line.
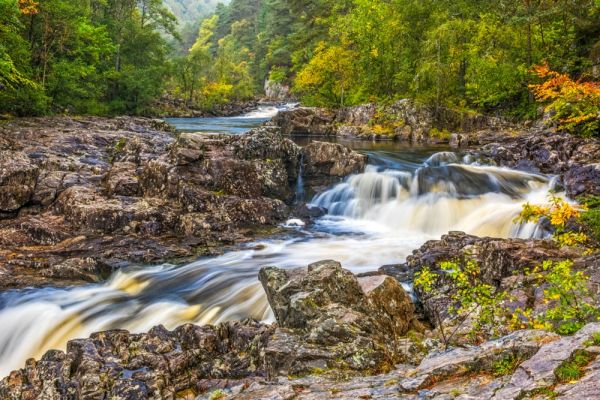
<point>443,134</point>
<point>217,395</point>
<point>506,365</point>
<point>545,393</point>
<point>117,149</point>
<point>591,218</point>
<point>572,369</point>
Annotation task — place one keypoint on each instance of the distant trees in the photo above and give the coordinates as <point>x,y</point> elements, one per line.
<point>118,56</point>
<point>81,56</point>
<point>464,54</point>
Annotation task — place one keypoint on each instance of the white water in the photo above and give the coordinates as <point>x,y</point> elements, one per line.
<point>376,218</point>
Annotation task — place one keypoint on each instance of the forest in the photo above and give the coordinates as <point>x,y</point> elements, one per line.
<point>119,57</point>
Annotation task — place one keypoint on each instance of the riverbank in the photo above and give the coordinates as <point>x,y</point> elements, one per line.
<point>532,146</point>
<point>80,198</point>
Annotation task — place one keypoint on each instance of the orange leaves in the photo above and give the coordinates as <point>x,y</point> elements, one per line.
<point>28,7</point>
<point>576,104</point>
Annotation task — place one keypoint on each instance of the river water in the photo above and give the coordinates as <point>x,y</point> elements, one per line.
<point>407,195</point>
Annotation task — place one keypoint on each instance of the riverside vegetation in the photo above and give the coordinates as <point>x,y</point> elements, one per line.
<point>111,57</point>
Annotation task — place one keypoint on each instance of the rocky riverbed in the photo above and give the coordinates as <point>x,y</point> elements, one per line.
<point>530,146</point>
<point>80,198</point>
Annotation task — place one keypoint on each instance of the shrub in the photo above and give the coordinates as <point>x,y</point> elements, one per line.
<point>575,104</point>
<point>471,300</point>
<point>559,213</point>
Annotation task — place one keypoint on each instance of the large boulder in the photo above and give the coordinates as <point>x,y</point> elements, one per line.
<point>583,180</point>
<point>18,178</point>
<point>306,121</point>
<point>359,320</point>
<point>502,263</point>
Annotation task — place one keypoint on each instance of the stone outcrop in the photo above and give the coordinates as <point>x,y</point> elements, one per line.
<point>535,149</point>
<point>573,158</point>
<point>17,180</point>
<point>168,106</point>
<point>402,120</point>
<point>129,190</point>
<point>502,263</point>
<point>339,320</point>
<point>326,163</point>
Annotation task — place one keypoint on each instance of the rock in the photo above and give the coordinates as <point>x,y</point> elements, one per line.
<point>157,364</point>
<point>330,307</point>
<point>498,259</point>
<point>18,178</point>
<point>583,180</point>
<point>324,161</point>
<point>275,91</point>
<point>461,361</point>
<point>543,151</point>
<point>188,149</point>
<point>306,121</point>
<point>121,181</point>
<point>538,371</point>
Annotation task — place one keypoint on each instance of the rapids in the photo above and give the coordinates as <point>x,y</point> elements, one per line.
<point>375,218</point>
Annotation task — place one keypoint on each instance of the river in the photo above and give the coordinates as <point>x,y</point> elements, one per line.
<point>407,195</point>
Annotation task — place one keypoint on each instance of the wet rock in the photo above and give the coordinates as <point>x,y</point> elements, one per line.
<point>18,178</point>
<point>326,161</point>
<point>583,180</point>
<point>157,364</point>
<point>122,181</point>
<point>548,152</point>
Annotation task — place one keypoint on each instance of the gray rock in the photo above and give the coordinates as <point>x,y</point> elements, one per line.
<point>538,371</point>
<point>18,177</point>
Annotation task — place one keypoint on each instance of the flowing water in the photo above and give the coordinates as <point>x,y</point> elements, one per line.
<point>232,125</point>
<point>405,197</point>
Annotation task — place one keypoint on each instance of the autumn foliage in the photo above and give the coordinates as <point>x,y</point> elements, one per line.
<point>575,104</point>
<point>28,7</point>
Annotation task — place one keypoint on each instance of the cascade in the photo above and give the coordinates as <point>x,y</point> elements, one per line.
<point>375,218</point>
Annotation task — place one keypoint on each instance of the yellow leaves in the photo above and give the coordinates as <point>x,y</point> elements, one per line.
<point>576,103</point>
<point>28,7</point>
<point>559,212</point>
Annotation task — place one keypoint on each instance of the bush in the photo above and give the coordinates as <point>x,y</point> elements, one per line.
<point>575,104</point>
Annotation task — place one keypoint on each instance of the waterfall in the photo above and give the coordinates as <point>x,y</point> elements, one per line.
<point>439,197</point>
<point>299,197</point>
<point>375,218</point>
